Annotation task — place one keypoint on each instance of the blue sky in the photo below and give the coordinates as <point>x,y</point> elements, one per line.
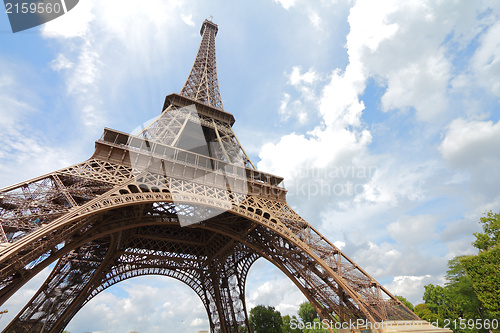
<point>381,115</point>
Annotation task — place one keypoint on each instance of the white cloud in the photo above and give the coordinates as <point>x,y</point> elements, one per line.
<point>295,152</point>
<point>397,44</point>
<point>284,109</point>
<point>397,180</point>
<point>100,49</point>
<point>470,148</point>
<point>304,106</point>
<point>266,285</point>
<point>315,19</point>
<point>339,244</point>
<point>339,105</point>
<point>82,83</point>
<point>486,60</point>
<point>25,151</point>
<point>139,305</point>
<point>421,85</point>
<point>74,23</point>
<point>414,231</point>
<point>467,143</point>
<point>296,78</point>
<point>408,48</point>
<point>410,287</point>
<point>61,62</point>
<point>287,4</point>
<point>188,19</point>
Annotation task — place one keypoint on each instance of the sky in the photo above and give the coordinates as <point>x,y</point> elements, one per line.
<point>383,117</point>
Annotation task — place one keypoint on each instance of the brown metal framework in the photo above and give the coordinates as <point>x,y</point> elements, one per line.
<point>120,214</point>
<point>202,83</point>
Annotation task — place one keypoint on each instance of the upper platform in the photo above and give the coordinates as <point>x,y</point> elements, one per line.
<point>201,107</point>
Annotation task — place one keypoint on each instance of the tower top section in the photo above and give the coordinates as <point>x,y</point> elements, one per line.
<point>202,84</point>
<point>210,25</point>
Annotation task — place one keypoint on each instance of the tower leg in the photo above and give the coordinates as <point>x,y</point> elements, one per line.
<point>56,301</point>
<point>227,281</point>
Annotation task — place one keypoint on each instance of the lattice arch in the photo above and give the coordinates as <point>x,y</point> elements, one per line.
<point>336,286</point>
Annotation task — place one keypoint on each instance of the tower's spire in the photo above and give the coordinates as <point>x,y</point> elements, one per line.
<point>202,83</point>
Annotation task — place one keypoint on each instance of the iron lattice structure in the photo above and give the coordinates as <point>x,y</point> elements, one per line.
<point>180,199</point>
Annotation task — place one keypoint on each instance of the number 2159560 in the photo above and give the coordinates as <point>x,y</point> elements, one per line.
<point>33,8</point>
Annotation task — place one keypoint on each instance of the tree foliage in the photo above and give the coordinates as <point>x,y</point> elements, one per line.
<point>287,327</point>
<point>484,272</point>
<point>461,291</point>
<point>484,269</point>
<point>406,302</point>
<point>490,236</point>
<point>307,312</point>
<point>472,290</point>
<point>265,319</point>
<point>423,311</point>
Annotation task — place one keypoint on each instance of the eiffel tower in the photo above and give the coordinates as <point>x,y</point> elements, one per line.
<point>180,198</point>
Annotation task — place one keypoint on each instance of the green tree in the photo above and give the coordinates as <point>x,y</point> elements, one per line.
<point>406,302</point>
<point>491,232</point>
<point>287,324</point>
<point>464,300</point>
<point>438,301</point>
<point>423,312</point>
<point>307,312</point>
<point>483,269</point>
<point>265,320</point>
<point>472,290</point>
<point>484,272</point>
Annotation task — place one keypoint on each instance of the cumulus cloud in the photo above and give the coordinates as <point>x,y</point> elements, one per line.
<point>398,44</point>
<point>486,60</point>
<point>406,48</point>
<point>431,75</point>
<point>421,85</point>
<point>188,19</point>
<point>25,152</point>
<point>130,306</point>
<point>60,63</point>
<point>74,23</point>
<point>99,46</point>
<point>410,287</point>
<point>296,77</point>
<point>413,231</point>
<point>305,105</point>
<point>287,4</point>
<point>471,147</point>
<point>266,285</point>
<point>468,142</point>
<point>315,19</point>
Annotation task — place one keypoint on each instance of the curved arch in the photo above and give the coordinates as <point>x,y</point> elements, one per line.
<point>196,283</point>
<point>317,255</point>
<point>209,293</point>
